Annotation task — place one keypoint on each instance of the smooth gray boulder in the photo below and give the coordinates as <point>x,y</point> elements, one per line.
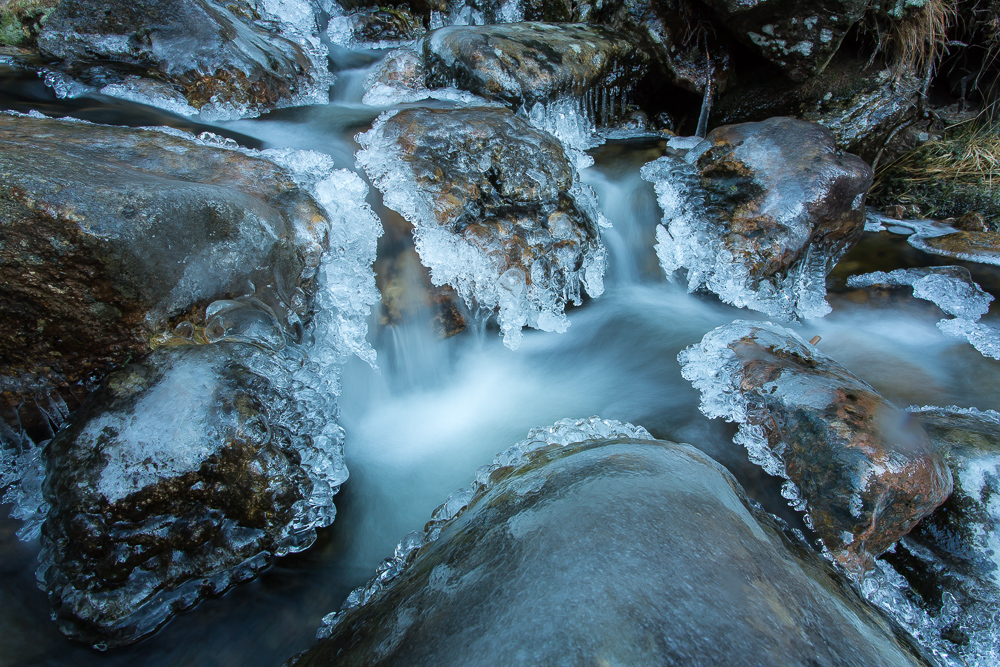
<point>616,550</point>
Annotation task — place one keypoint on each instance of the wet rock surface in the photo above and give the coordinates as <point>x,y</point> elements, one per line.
<point>865,472</point>
<point>863,104</point>
<point>110,234</point>
<point>588,552</point>
<point>496,209</point>
<point>759,213</point>
<point>181,477</point>
<point>522,64</point>
<point>983,247</point>
<point>951,559</point>
<point>799,37</point>
<point>215,54</point>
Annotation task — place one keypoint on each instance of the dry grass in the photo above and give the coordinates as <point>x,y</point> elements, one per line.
<point>917,38</point>
<point>946,177</point>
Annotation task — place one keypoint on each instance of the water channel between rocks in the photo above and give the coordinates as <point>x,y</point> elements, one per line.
<point>435,409</point>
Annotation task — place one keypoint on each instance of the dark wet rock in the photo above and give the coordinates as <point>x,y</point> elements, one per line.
<point>215,56</point>
<point>952,557</point>
<point>865,472</point>
<point>681,37</point>
<point>112,235</point>
<point>864,106</point>
<point>375,27</point>
<point>495,207</point>
<point>522,64</point>
<point>611,551</point>
<point>760,213</point>
<point>799,37</point>
<point>180,478</point>
<point>982,247</point>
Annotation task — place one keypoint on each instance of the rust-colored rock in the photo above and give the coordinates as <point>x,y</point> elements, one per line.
<point>864,471</point>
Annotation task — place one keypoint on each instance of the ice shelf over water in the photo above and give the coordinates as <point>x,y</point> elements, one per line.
<point>951,289</point>
<point>563,432</point>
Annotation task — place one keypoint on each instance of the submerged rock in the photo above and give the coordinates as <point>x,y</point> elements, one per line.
<point>214,56</point>
<point>981,247</point>
<point>863,470</point>
<point>759,213</point>
<point>522,64</point>
<point>110,234</point>
<point>591,543</point>
<point>185,474</point>
<point>951,559</point>
<point>496,208</point>
<point>799,36</point>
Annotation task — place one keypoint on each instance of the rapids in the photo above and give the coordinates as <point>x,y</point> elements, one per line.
<point>431,411</point>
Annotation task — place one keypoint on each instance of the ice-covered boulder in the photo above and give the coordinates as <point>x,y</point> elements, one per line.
<point>375,28</point>
<point>184,474</point>
<point>799,36</point>
<point>862,469</point>
<point>111,235</point>
<point>759,213</point>
<point>523,64</point>
<point>232,59</point>
<point>591,543</point>
<point>496,207</point>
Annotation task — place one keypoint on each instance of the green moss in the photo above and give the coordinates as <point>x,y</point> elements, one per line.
<point>21,20</point>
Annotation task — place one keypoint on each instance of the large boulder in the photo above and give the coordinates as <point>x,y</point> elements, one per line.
<point>112,236</point>
<point>214,53</point>
<point>759,213</point>
<point>863,470</point>
<point>185,473</point>
<point>522,64</point>
<point>603,546</point>
<point>496,208</point>
<point>799,36</point>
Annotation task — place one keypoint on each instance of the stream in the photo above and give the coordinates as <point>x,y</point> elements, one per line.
<point>434,410</point>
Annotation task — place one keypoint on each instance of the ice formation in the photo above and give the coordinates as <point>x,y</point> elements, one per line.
<point>848,455</point>
<point>755,214</point>
<point>294,20</point>
<point>951,289</point>
<point>497,211</point>
<point>563,432</point>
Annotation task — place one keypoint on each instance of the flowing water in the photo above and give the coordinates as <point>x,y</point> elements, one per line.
<point>435,409</point>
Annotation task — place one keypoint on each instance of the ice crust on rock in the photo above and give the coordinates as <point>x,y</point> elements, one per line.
<point>952,289</point>
<point>294,20</point>
<point>756,213</point>
<point>863,472</point>
<point>563,432</point>
<point>567,253</point>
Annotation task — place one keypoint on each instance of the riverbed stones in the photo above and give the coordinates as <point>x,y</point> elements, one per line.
<point>215,53</point>
<point>865,471</point>
<point>178,479</point>
<point>496,210</point>
<point>615,551</point>
<point>522,64</point>
<point>111,234</point>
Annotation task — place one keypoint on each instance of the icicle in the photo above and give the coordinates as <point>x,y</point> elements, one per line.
<point>706,101</point>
